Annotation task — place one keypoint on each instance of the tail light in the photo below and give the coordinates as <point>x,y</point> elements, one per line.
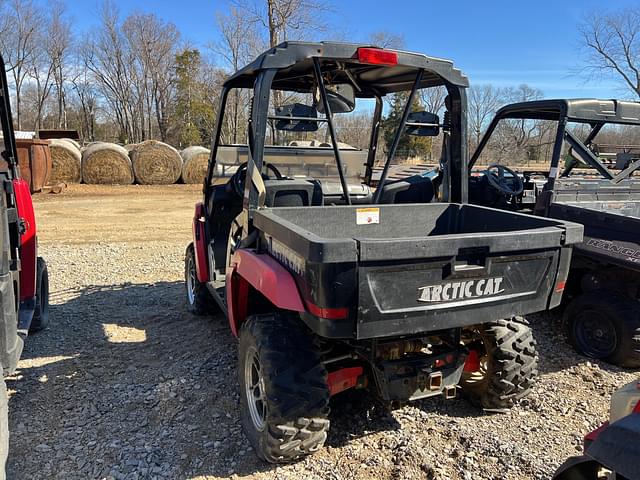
<point>560,286</point>
<point>377,56</point>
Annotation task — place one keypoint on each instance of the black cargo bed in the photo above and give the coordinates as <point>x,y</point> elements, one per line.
<point>423,267</point>
<point>322,234</point>
<point>611,229</point>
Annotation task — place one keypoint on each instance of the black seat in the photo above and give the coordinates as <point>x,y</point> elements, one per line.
<point>293,193</point>
<point>415,189</point>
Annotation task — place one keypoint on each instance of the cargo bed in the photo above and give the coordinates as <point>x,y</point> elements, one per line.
<point>405,269</point>
<point>611,229</point>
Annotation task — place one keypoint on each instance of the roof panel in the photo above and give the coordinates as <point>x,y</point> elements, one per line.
<point>293,60</point>
<point>576,109</point>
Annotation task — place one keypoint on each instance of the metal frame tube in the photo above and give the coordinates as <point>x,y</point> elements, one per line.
<point>10,153</point>
<point>396,138</point>
<point>257,134</point>
<point>373,140</point>
<point>332,132</point>
<point>216,140</point>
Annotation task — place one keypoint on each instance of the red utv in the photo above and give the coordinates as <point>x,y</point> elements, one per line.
<point>331,284</point>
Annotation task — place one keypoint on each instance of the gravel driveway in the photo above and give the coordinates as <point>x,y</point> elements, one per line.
<point>125,384</point>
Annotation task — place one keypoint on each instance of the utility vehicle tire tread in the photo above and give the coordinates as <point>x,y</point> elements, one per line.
<point>623,311</point>
<point>40,318</point>
<point>296,388</point>
<point>512,364</point>
<point>203,303</point>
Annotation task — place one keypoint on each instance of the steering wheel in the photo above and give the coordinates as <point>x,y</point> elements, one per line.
<point>240,177</point>
<point>506,185</point>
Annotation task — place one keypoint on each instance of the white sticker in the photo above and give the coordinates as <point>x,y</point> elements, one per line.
<point>553,173</point>
<point>366,216</point>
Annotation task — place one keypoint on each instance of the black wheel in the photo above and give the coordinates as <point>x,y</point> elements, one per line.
<point>508,363</point>
<point>606,326</point>
<point>4,425</point>
<point>284,397</point>
<point>41,313</point>
<point>199,299</point>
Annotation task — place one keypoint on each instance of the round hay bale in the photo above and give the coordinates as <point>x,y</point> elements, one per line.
<point>65,162</point>
<point>71,140</point>
<point>156,163</point>
<point>106,164</point>
<point>195,161</point>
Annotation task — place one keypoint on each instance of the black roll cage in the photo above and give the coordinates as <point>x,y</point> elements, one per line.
<point>593,112</point>
<point>10,154</point>
<point>261,79</point>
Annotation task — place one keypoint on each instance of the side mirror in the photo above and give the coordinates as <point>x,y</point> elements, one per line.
<point>423,124</point>
<point>297,112</point>
<point>341,96</point>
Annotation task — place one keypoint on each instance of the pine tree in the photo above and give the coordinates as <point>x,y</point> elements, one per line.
<point>410,145</point>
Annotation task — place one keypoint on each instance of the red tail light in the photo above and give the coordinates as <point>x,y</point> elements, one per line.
<point>560,286</point>
<point>376,56</point>
<point>328,313</point>
<point>637,409</point>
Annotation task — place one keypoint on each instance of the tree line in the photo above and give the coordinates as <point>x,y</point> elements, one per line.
<point>137,77</point>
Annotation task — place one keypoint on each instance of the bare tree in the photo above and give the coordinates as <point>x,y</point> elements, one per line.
<point>433,98</point>
<point>87,95</point>
<point>518,139</point>
<point>19,43</point>
<point>386,39</point>
<point>612,46</point>
<point>484,100</point>
<point>238,45</point>
<point>522,130</point>
<point>58,47</point>
<point>285,19</point>
<point>107,57</point>
<point>40,71</point>
<point>133,63</point>
<point>153,45</point>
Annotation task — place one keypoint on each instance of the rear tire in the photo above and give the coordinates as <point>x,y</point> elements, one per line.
<point>508,364</point>
<point>199,299</point>
<point>606,326</point>
<point>284,397</point>
<point>40,318</point>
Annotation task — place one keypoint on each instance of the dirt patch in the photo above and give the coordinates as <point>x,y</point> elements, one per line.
<point>125,384</point>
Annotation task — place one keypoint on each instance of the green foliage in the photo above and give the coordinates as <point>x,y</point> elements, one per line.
<point>410,145</point>
<point>194,110</point>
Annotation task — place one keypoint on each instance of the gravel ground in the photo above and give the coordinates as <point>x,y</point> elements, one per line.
<point>125,384</point>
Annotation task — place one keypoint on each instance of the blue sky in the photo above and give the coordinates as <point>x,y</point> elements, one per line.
<point>502,42</point>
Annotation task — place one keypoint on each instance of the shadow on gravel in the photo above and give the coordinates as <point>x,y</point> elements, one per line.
<point>126,383</point>
<point>356,414</point>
